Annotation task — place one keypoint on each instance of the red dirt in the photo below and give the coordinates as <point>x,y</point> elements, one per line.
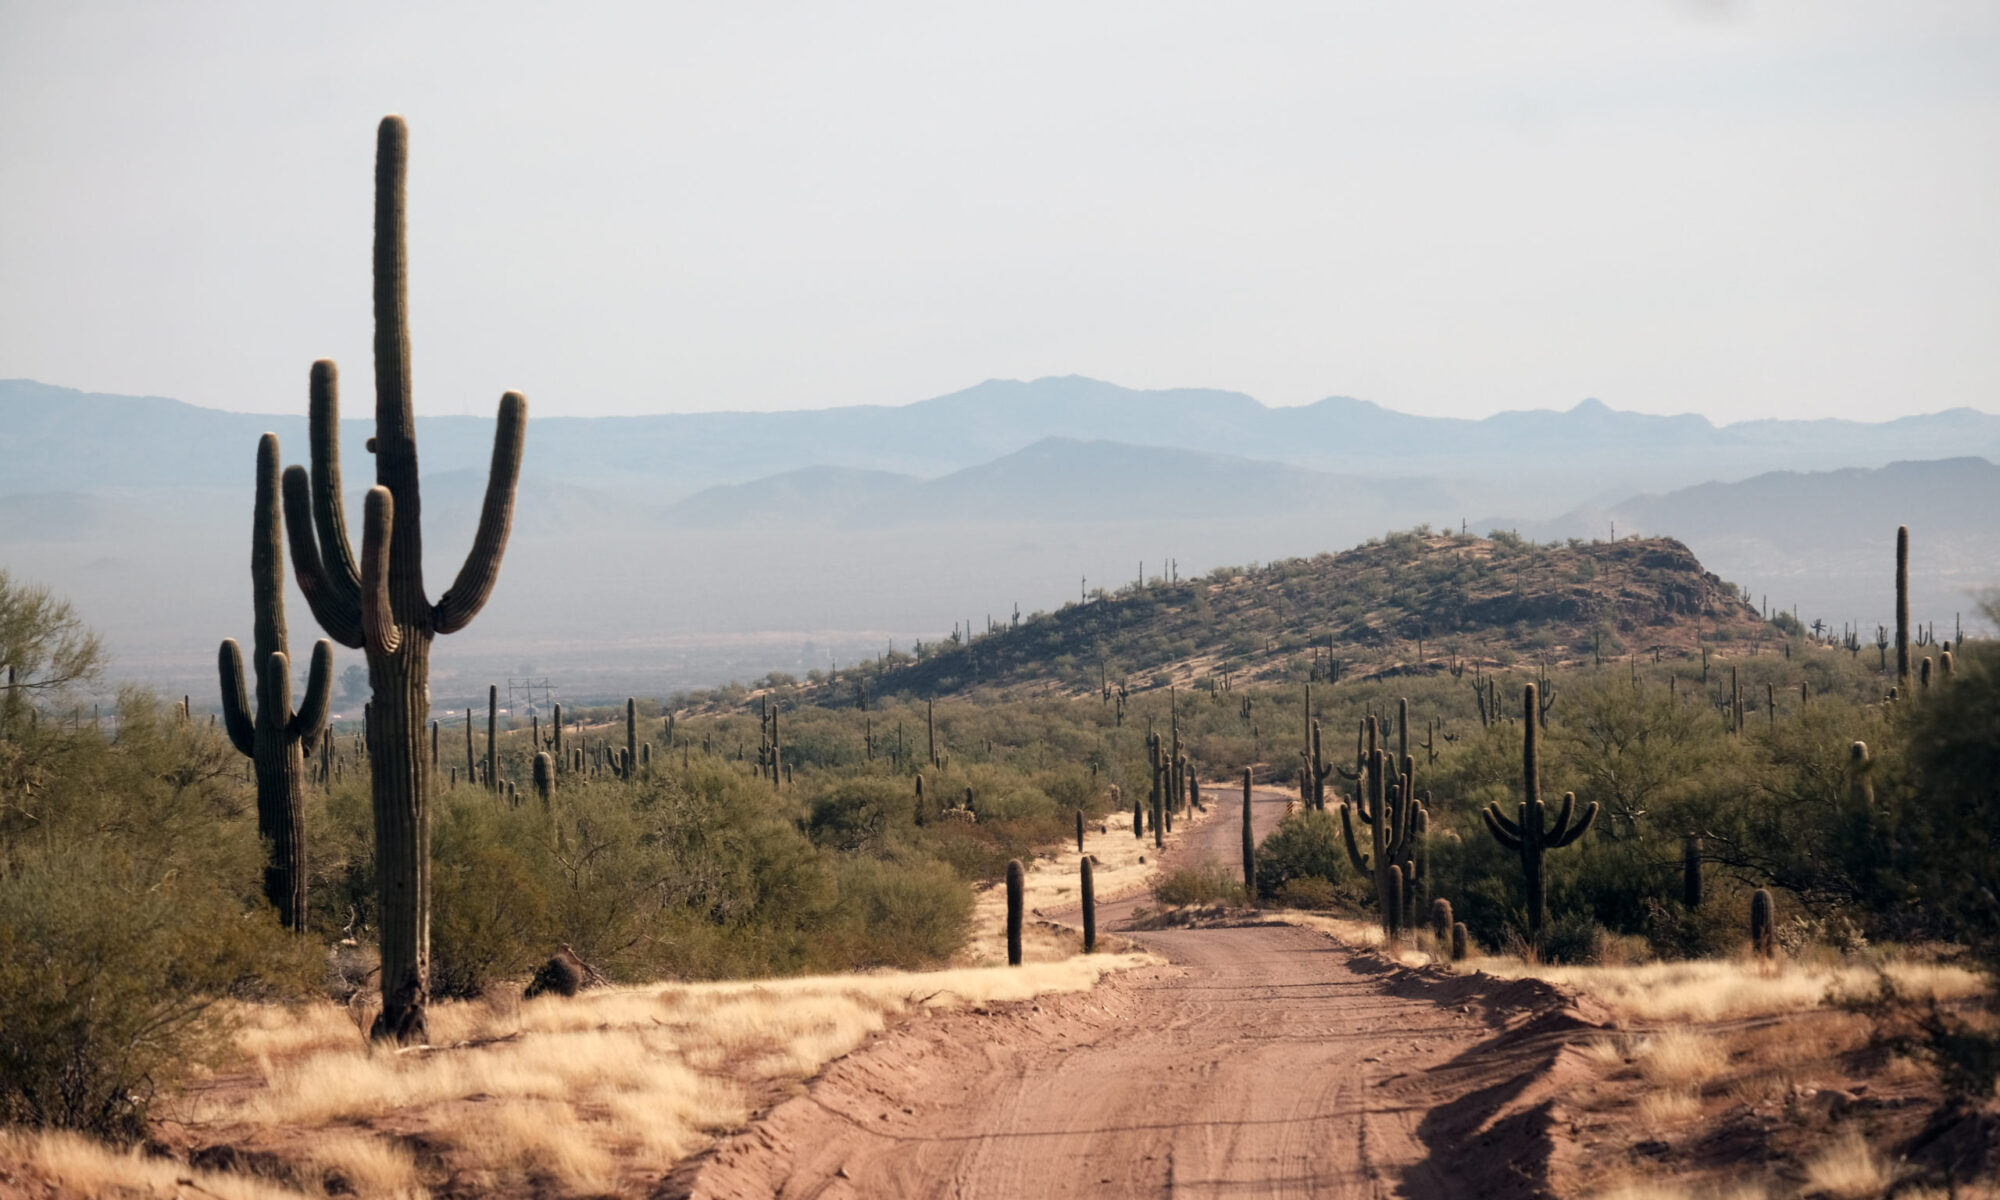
<point>1264,1060</point>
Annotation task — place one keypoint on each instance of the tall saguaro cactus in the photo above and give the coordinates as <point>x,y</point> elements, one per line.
<point>276,738</point>
<point>1903,606</point>
<point>378,603</point>
<point>1529,831</point>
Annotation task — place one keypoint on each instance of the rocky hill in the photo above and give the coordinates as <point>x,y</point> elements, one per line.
<point>1413,602</point>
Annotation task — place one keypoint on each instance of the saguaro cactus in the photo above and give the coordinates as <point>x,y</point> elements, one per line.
<point>1529,832</point>
<point>1763,926</point>
<point>1249,844</point>
<point>276,739</point>
<point>1016,888</point>
<point>492,737</point>
<point>1903,606</point>
<point>379,604</point>
<point>545,776</point>
<point>631,737</point>
<point>1396,823</point>
<point>1441,921</point>
<point>1691,871</point>
<point>1089,909</point>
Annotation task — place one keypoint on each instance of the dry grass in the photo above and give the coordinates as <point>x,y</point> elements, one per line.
<point>1679,1058</point>
<point>589,1090</point>
<point>1848,1170</point>
<point>1724,989</point>
<point>1662,1109</point>
<point>1654,1191</point>
<point>372,1166</point>
<point>94,1169</point>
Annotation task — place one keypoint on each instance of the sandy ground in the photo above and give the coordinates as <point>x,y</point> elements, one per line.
<point>1262,1060</point>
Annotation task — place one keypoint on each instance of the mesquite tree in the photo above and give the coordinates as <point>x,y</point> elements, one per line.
<point>378,603</point>
<point>275,738</point>
<point>1529,831</point>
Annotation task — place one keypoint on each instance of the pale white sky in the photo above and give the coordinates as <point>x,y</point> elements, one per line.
<point>1740,209</point>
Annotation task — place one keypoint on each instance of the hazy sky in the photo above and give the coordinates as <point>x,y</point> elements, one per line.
<point>1740,209</point>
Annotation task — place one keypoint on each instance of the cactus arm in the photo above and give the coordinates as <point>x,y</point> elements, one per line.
<point>235,699</point>
<point>341,620</point>
<point>310,721</point>
<point>378,618</point>
<point>1577,831</point>
<point>1354,854</point>
<point>329,517</point>
<point>1507,824</point>
<point>1554,834</point>
<point>274,687</point>
<point>1497,825</point>
<point>475,580</point>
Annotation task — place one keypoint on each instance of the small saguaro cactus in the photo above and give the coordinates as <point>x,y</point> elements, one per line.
<point>492,736</point>
<point>1079,831</point>
<point>1089,909</point>
<point>1763,923</point>
<point>1016,888</point>
<point>377,601</point>
<point>1861,776</point>
<point>545,776</point>
<point>1529,832</point>
<point>275,739</point>
<point>1691,871</point>
<point>1441,920</point>
<point>1138,820</point>
<point>631,736</point>
<point>1249,844</point>
<point>920,800</point>
<point>1461,941</point>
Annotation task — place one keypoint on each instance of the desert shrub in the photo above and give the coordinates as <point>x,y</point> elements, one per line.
<point>1306,844</point>
<point>1210,884</point>
<point>1307,891</point>
<point>110,971</point>
<point>1572,938</point>
<point>903,915</point>
<point>862,815</point>
<point>488,911</point>
<point>130,879</point>
<point>1674,931</point>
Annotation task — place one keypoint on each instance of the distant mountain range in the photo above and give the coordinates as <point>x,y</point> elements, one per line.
<point>664,538</point>
<point>56,439</point>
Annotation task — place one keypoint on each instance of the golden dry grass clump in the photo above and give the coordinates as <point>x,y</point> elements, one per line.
<point>591,1092</point>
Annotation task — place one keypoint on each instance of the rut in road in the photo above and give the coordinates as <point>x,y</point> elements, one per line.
<point>1263,1060</point>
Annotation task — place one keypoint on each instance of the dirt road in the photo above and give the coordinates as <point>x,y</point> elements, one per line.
<point>1266,1060</point>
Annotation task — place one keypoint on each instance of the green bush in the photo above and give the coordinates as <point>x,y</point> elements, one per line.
<point>1308,892</point>
<point>1210,884</point>
<point>129,906</point>
<point>1573,939</point>
<point>1305,845</point>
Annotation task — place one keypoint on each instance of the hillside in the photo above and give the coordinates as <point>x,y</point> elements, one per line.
<point>1414,602</point>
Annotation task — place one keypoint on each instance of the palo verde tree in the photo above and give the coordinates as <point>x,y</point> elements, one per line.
<point>44,648</point>
<point>379,604</point>
<point>274,737</point>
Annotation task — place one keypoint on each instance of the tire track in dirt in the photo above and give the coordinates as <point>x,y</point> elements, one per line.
<point>1263,1060</point>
